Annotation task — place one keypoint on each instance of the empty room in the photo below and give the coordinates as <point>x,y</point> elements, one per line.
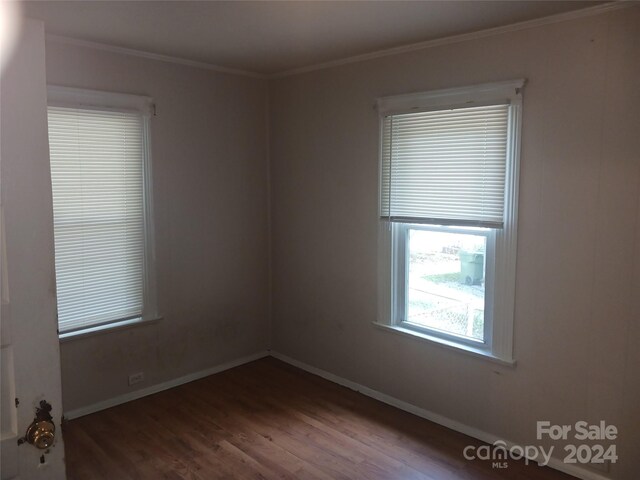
<point>378,240</point>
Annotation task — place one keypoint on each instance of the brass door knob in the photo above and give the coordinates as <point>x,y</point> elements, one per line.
<point>41,434</point>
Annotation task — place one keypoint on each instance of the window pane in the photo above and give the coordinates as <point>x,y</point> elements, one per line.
<point>445,288</point>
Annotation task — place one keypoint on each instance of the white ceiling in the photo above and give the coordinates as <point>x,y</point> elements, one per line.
<point>269,37</point>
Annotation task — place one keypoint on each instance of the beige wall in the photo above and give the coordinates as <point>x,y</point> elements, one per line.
<point>210,192</point>
<point>578,275</point>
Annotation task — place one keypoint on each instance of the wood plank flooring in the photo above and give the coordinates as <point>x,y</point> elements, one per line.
<point>269,420</point>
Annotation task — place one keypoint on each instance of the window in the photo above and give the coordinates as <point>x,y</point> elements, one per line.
<point>100,173</point>
<point>448,210</point>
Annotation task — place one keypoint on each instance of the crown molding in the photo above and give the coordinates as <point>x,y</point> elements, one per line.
<point>514,27</point>
<point>60,39</point>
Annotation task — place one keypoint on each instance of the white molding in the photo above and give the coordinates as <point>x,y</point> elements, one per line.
<point>483,436</point>
<point>453,346</point>
<point>90,331</point>
<point>127,397</point>
<point>59,95</point>
<point>507,243</point>
<point>61,39</point>
<point>436,42</point>
<point>514,27</point>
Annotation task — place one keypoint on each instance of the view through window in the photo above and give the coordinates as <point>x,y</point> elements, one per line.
<point>446,281</point>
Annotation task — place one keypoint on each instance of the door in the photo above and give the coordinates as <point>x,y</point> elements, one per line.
<point>30,369</point>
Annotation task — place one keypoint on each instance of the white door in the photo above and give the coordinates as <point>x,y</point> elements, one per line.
<point>30,369</point>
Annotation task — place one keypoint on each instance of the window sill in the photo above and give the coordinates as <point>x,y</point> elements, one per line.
<point>466,349</point>
<point>101,329</point>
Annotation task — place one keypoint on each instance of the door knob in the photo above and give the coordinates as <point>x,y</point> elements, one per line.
<point>42,432</point>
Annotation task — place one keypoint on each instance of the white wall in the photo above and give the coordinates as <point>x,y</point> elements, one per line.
<point>210,192</point>
<point>578,274</point>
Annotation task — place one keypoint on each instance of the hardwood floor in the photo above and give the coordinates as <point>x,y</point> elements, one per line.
<point>269,420</point>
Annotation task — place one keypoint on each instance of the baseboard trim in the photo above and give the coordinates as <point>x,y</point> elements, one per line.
<point>554,463</point>
<point>127,397</point>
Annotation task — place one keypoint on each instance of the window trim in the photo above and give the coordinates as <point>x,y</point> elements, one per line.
<point>71,97</point>
<point>115,326</point>
<point>60,96</point>
<point>499,345</point>
<point>449,98</point>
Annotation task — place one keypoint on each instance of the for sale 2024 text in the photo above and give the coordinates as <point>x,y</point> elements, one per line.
<point>582,431</point>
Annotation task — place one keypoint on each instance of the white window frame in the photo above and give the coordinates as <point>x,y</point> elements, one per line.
<point>61,96</point>
<point>500,258</point>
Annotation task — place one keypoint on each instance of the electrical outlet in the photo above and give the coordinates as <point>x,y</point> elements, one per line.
<point>136,378</point>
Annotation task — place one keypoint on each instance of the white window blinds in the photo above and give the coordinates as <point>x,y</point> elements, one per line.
<point>97,161</point>
<point>445,166</point>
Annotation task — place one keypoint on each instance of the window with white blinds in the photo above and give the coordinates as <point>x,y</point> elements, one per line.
<point>445,166</point>
<point>98,175</point>
<point>449,174</point>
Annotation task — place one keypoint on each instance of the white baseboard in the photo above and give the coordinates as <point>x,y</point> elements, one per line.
<point>127,397</point>
<point>554,463</point>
